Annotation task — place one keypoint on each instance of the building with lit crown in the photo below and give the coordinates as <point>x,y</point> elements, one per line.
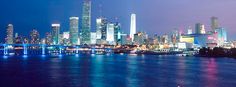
<point>110,33</point>
<point>55,34</point>
<point>74,30</point>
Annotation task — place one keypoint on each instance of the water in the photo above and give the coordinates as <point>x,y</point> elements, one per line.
<point>117,71</point>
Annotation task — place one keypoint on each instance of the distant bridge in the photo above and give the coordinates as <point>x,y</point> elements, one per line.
<point>43,49</point>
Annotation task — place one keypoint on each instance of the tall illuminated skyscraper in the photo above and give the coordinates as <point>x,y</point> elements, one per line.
<point>133,26</point>
<point>55,34</point>
<point>110,33</point>
<point>117,33</point>
<point>86,22</point>
<point>9,38</point>
<point>214,23</point>
<point>101,24</point>
<point>222,36</point>
<point>74,30</point>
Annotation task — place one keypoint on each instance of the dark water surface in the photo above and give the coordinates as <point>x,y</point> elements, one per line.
<point>117,71</point>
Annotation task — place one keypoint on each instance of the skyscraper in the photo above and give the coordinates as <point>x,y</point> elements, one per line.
<point>48,38</point>
<point>101,30</point>
<point>222,35</point>
<point>190,31</point>
<point>110,33</point>
<point>55,34</point>
<point>86,22</point>
<point>93,38</point>
<point>34,35</point>
<point>214,23</point>
<point>199,29</point>
<point>9,38</point>
<point>117,33</point>
<point>133,26</point>
<point>74,28</point>
<point>101,24</point>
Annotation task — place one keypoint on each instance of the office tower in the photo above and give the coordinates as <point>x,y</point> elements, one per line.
<point>214,23</point>
<point>9,38</point>
<point>86,22</point>
<point>74,28</point>
<point>55,34</point>
<point>133,26</point>
<point>110,33</point>
<point>93,37</point>
<point>101,25</point>
<point>66,35</point>
<point>35,37</point>
<point>190,30</point>
<point>199,29</point>
<point>126,40</point>
<point>117,33</point>
<point>222,35</point>
<point>48,38</point>
<point>98,28</point>
<point>66,38</point>
<point>139,38</point>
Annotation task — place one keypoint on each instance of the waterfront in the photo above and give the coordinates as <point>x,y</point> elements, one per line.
<point>117,71</point>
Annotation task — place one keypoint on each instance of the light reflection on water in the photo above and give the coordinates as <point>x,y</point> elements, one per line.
<point>117,70</point>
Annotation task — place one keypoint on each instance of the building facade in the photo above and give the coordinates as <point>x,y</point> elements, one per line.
<point>9,37</point>
<point>55,34</point>
<point>133,26</point>
<point>74,30</point>
<point>86,22</point>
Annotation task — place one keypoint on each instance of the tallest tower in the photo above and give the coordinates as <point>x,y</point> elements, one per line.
<point>133,26</point>
<point>86,22</point>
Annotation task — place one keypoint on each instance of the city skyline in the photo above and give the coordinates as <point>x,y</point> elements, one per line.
<point>205,19</point>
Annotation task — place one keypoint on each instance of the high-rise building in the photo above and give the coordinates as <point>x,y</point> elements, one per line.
<point>200,29</point>
<point>214,23</point>
<point>110,33</point>
<point>101,24</point>
<point>190,30</point>
<point>35,37</point>
<point>86,22</point>
<point>117,33</point>
<point>93,38</point>
<point>55,34</point>
<point>139,38</point>
<point>222,36</point>
<point>48,38</point>
<point>66,38</point>
<point>9,38</point>
<point>74,28</point>
<point>133,26</point>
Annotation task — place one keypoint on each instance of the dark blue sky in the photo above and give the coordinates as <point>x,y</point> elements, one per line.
<point>153,16</point>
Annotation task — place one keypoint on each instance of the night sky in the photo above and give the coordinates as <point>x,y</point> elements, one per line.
<point>153,16</point>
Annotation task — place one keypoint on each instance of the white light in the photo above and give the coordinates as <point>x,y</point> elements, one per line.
<point>110,32</point>
<point>133,26</point>
<point>55,25</point>
<point>76,18</point>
